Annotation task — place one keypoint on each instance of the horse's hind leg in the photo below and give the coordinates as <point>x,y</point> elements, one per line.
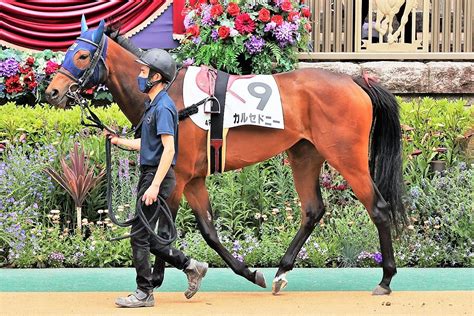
<point>198,198</point>
<point>306,164</point>
<point>353,166</point>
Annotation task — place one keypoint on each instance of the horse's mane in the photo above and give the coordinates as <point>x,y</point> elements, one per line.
<point>113,32</point>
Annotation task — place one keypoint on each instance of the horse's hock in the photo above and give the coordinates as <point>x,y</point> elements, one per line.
<point>434,78</point>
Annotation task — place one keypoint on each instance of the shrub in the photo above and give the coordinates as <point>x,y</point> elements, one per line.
<point>433,130</point>
<point>256,209</point>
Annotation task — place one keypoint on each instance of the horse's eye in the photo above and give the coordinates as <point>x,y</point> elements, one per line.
<point>83,56</point>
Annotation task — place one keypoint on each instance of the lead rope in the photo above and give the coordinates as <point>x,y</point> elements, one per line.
<point>162,207</point>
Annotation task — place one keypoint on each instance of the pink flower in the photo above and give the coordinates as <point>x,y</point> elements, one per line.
<point>286,6</point>
<point>244,24</point>
<point>51,67</point>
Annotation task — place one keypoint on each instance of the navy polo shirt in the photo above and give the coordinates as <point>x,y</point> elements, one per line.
<point>161,117</point>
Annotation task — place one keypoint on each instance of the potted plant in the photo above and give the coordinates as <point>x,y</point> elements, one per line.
<point>242,37</point>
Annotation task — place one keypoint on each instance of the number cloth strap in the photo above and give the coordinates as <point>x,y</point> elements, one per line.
<point>217,123</point>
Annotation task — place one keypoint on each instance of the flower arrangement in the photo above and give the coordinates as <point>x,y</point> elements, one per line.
<point>25,77</point>
<point>24,74</point>
<point>245,36</point>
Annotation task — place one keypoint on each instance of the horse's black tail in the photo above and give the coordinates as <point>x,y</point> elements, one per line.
<point>386,149</point>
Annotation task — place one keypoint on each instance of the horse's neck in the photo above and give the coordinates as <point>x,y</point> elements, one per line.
<point>121,81</point>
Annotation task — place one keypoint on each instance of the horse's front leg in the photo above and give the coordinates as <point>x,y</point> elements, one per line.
<point>198,198</point>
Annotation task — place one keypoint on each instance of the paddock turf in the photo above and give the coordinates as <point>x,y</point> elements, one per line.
<point>309,292</point>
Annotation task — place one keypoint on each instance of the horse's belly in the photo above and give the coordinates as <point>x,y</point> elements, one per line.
<point>248,145</point>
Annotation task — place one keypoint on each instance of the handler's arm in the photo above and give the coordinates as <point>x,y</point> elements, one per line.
<point>129,143</point>
<point>166,159</point>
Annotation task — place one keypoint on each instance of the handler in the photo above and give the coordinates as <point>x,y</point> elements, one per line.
<point>158,150</point>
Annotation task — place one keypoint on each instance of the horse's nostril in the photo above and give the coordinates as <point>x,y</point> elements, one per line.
<point>54,94</point>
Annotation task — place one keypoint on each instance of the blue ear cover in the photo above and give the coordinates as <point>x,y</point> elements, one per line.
<point>97,35</point>
<point>83,25</point>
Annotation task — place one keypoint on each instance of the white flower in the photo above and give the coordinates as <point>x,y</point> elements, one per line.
<point>233,32</point>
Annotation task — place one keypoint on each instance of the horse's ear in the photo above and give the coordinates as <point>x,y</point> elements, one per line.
<point>83,24</point>
<point>97,36</point>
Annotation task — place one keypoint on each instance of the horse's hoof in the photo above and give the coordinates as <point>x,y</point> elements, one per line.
<point>260,279</point>
<point>279,283</point>
<point>379,290</point>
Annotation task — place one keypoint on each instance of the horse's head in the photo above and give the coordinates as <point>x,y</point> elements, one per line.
<point>83,66</point>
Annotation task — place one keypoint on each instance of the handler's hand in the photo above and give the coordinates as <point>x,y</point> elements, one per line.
<point>151,195</point>
<point>113,137</point>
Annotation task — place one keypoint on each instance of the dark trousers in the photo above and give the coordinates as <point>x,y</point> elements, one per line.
<point>143,243</point>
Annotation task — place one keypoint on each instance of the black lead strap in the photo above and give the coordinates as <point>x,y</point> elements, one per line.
<point>161,207</point>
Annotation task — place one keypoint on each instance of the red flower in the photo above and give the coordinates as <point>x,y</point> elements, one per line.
<point>264,15</point>
<point>233,9</point>
<point>307,27</point>
<point>214,2</point>
<point>223,32</point>
<point>25,69</point>
<point>30,61</point>
<point>29,80</point>
<point>193,30</point>
<point>277,19</point>
<point>51,67</point>
<point>13,85</point>
<point>217,10</point>
<point>286,6</point>
<point>202,1</point>
<point>306,12</point>
<point>292,16</point>
<point>244,24</point>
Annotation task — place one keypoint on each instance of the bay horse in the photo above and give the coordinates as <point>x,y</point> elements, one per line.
<point>328,117</point>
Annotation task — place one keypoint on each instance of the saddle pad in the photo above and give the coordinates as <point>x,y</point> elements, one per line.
<point>250,100</point>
